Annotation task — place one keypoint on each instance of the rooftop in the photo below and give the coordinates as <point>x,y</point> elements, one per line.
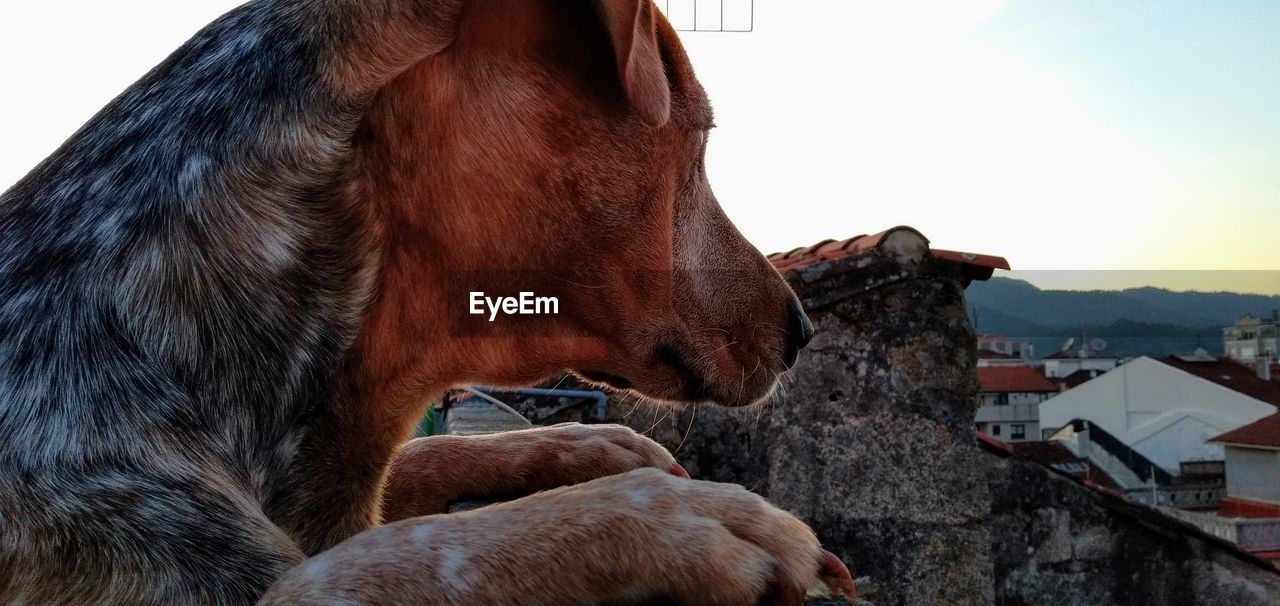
<point>1232,375</point>
<point>1007,379</point>
<point>1055,455</point>
<point>1079,354</point>
<point>1264,432</point>
<point>988,354</point>
<point>1079,377</point>
<point>899,239</point>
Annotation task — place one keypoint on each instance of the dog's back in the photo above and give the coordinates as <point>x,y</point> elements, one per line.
<point>160,332</point>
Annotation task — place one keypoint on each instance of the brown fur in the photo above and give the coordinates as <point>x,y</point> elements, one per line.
<point>510,188</point>
<point>551,146</point>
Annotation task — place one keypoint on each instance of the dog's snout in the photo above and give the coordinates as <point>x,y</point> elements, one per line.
<point>799,332</point>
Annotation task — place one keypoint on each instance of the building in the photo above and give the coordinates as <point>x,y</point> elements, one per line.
<point>1069,361</point>
<point>1252,338</point>
<point>1009,402</point>
<point>1198,485</point>
<point>1009,347</point>
<point>1249,514</point>
<point>991,357</point>
<point>1077,378</point>
<point>1252,457</point>
<point>1168,409</point>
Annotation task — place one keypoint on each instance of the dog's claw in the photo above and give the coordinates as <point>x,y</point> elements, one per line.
<point>678,470</point>
<point>782,590</point>
<point>836,575</point>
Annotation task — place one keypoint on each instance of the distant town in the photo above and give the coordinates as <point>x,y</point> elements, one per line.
<point>1196,434</point>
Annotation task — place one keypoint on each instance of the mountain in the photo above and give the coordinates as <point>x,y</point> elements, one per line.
<point>1221,307</point>
<point>1136,321</point>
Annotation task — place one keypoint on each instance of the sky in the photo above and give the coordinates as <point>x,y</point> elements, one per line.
<point>1111,138</point>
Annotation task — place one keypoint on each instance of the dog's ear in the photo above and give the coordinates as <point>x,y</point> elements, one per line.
<point>632,28</point>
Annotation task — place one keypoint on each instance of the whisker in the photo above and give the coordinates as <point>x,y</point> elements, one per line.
<point>742,381</point>
<point>760,408</point>
<point>655,414</point>
<point>636,404</point>
<point>689,429</point>
<point>719,348</point>
<point>564,377</point>
<point>715,329</point>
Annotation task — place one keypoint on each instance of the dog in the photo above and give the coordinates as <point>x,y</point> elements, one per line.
<point>227,299</point>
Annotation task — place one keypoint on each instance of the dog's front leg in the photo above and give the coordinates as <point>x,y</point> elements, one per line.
<point>428,474</point>
<point>629,539</point>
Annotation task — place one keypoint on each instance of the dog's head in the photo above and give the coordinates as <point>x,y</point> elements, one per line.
<point>556,147</point>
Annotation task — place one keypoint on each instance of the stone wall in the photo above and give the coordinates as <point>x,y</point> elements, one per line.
<point>1058,542</point>
<point>871,441</point>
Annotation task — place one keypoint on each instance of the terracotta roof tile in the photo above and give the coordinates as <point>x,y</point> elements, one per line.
<point>1263,432</point>
<point>1056,456</point>
<point>817,247</point>
<point>1099,478</point>
<point>1005,379</point>
<point>992,444</point>
<point>1233,376</point>
<point>830,250</point>
<point>991,261</point>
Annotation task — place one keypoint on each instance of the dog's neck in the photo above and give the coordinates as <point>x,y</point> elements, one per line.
<point>406,191</point>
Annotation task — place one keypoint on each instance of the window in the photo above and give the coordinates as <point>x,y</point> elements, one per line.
<point>995,429</point>
<point>1002,399</point>
<point>1018,432</point>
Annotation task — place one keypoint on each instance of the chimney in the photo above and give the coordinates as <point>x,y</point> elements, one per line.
<point>1264,367</point>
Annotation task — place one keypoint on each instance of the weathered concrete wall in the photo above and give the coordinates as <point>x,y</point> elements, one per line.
<point>872,443</point>
<point>1060,543</point>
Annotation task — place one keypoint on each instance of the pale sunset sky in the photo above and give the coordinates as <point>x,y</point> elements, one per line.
<point>1087,135</point>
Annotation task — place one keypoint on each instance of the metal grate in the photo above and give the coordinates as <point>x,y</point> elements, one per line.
<point>710,15</point>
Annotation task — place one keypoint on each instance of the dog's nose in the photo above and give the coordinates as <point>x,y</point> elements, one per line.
<point>799,332</point>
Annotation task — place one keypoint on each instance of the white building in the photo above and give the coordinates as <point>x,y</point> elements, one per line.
<point>1009,406</point>
<point>1167,409</point>
<point>987,357</point>
<point>1253,469</point>
<point>1249,515</point>
<point>1252,338</point>
<point>1062,364</point>
<point>1009,347</point>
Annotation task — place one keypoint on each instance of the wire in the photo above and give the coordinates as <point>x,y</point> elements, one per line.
<point>501,405</point>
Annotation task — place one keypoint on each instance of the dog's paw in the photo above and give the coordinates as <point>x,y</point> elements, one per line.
<point>637,538</point>
<point>428,474</point>
<point>572,453</point>
<point>706,543</point>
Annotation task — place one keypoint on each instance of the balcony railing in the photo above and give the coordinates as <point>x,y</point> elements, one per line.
<point>1009,413</point>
